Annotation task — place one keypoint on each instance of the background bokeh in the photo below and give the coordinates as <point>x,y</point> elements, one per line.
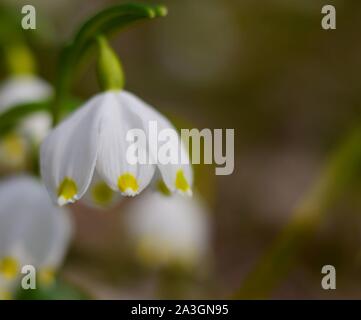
<point>291,91</point>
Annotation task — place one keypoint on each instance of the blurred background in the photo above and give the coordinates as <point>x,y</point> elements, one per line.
<point>292,93</point>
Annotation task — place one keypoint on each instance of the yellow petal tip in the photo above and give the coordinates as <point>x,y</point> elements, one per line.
<point>67,191</point>
<point>47,276</point>
<point>9,267</point>
<point>128,184</point>
<point>5,295</point>
<point>101,194</point>
<point>182,184</point>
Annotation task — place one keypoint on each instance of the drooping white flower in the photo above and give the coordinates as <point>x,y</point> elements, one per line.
<point>35,127</point>
<point>15,146</point>
<point>166,229</point>
<point>94,139</point>
<point>32,232</point>
<point>23,89</point>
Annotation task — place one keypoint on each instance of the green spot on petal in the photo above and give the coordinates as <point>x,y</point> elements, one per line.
<point>67,191</point>
<point>181,182</point>
<point>101,193</point>
<point>9,267</point>
<point>128,184</point>
<point>47,276</point>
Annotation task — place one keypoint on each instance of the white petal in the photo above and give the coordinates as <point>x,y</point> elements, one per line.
<point>177,176</point>
<point>174,227</point>
<point>112,164</point>
<point>69,153</point>
<point>13,210</point>
<point>60,226</point>
<point>36,126</point>
<point>22,89</point>
<point>33,230</point>
<point>45,238</point>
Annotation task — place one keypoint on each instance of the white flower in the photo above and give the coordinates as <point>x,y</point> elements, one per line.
<point>22,89</point>
<point>35,127</point>
<point>32,232</point>
<point>15,146</point>
<point>13,152</point>
<point>167,229</point>
<point>94,139</point>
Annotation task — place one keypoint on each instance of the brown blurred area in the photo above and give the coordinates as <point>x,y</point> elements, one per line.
<point>291,91</point>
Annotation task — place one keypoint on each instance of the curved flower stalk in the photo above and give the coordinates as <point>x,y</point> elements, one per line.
<point>105,22</point>
<point>168,229</point>
<point>95,140</point>
<point>32,232</point>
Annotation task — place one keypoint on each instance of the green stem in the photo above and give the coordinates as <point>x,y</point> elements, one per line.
<point>105,22</point>
<point>342,172</point>
<point>19,60</point>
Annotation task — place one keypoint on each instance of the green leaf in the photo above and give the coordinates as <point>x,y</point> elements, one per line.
<point>60,290</point>
<point>340,174</point>
<point>105,22</point>
<point>10,118</point>
<point>10,28</point>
